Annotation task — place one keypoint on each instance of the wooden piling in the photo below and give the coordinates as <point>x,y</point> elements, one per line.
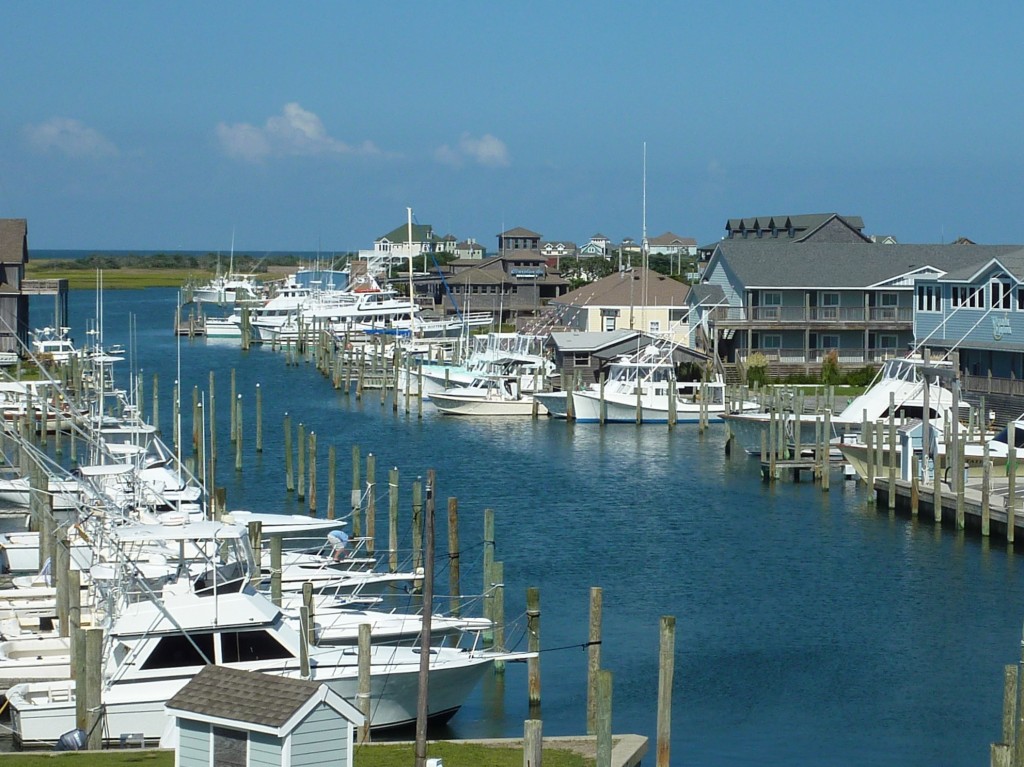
<point>304,624</point>
<point>666,670</point>
<point>300,468</point>
<point>289,480</point>
<point>533,645</point>
<point>94,687</point>
<point>255,529</point>
<point>826,467</point>
<point>1010,681</point>
<point>239,441</point>
<point>603,718</point>
<point>371,502</point>
<point>453,556</point>
<point>275,569</point>
<point>498,611</point>
<point>259,419</point>
<point>533,742</point>
<point>868,437</point>
<point>892,452</point>
<point>357,492</point>
<point>1011,483</point>
<point>417,524</point>
<point>332,466</point>
<point>915,486</point>
<point>312,474</point>
<point>986,490</point>
<point>156,401</point>
<point>363,696</point>
<point>393,520</point>
<point>234,393</point>
<point>310,606</point>
<point>593,658</point>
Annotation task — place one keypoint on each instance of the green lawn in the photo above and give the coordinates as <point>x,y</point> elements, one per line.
<point>85,279</point>
<point>453,755</point>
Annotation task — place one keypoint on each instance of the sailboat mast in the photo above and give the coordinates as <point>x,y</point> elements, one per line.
<point>412,318</point>
<point>643,239</point>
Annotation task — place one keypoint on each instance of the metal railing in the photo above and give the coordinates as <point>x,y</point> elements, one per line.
<point>836,314</point>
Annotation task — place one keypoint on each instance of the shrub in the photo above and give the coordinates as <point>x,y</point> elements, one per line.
<point>830,368</point>
<point>757,369</point>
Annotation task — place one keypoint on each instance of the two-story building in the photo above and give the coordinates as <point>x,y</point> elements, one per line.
<point>13,301</point>
<point>669,244</point>
<point>977,309</point>
<point>795,303</point>
<point>516,283</point>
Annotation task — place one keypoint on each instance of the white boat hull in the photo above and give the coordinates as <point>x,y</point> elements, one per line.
<point>456,404</point>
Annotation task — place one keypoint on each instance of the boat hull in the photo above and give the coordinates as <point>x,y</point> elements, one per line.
<point>454,404</point>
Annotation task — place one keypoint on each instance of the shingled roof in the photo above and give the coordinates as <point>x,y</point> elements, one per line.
<point>625,288</point>
<point>778,264</point>
<point>244,696</point>
<point>13,240</point>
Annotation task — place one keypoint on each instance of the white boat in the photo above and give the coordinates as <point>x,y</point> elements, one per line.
<point>645,380</point>
<point>33,659</point>
<point>227,289</point>
<point>900,377</point>
<point>155,649</point>
<point>488,396</point>
<point>53,345</point>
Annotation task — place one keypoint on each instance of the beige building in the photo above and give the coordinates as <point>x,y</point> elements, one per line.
<point>633,299</point>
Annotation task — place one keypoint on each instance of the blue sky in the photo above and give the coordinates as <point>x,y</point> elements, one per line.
<point>159,125</point>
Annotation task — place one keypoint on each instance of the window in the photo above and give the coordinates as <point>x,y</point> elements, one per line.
<point>968,297</point>
<point>580,360</point>
<point>178,651</point>
<point>928,298</point>
<point>1020,299</point>
<point>230,747</point>
<point>887,341</point>
<point>830,299</point>
<point>654,326</point>
<point>771,298</point>
<point>771,341</point>
<point>243,646</point>
<point>830,342</point>
<point>1000,294</point>
<point>889,299</point>
<point>609,322</point>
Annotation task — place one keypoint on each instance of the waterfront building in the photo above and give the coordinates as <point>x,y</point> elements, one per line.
<point>977,308</point>
<point>797,300</point>
<point>13,301</point>
<point>670,244</point>
<point>514,284</point>
<point>631,299</point>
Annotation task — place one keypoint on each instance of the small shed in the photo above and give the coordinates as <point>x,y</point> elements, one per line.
<point>233,718</point>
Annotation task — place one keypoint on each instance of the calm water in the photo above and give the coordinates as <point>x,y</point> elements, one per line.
<point>811,628</point>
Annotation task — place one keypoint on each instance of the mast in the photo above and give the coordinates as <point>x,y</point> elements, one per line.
<point>643,239</point>
<point>412,303</point>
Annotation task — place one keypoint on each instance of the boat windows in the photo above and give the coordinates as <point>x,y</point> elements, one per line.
<point>242,646</point>
<point>179,651</point>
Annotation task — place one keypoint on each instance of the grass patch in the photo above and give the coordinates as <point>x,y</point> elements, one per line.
<point>398,755</point>
<point>126,278</point>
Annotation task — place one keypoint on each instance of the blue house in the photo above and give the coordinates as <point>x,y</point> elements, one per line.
<point>233,718</point>
<point>977,309</point>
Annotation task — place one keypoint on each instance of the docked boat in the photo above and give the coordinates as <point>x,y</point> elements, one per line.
<point>488,396</point>
<point>228,289</point>
<point>900,377</point>
<point>642,387</point>
<point>155,649</point>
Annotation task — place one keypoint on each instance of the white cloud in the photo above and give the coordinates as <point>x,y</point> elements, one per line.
<point>487,150</point>
<point>296,131</point>
<point>70,137</point>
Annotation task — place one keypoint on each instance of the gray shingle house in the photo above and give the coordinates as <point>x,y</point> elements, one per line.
<point>796,302</point>
<point>13,302</point>
<point>233,718</point>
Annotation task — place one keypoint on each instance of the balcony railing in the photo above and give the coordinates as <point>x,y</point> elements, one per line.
<point>825,314</point>
<point>806,356</point>
<point>992,385</point>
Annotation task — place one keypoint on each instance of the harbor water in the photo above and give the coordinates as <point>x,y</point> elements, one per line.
<point>811,628</point>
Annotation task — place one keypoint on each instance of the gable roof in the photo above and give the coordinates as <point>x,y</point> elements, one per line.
<point>625,288</point>
<point>13,240</point>
<point>519,232</point>
<point>420,233</point>
<point>572,341</point>
<point>801,222</point>
<point>1012,263</point>
<point>705,294</point>
<point>250,697</point>
<point>668,238</point>
<point>777,264</point>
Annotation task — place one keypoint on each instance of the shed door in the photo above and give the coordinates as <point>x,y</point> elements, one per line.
<point>230,747</point>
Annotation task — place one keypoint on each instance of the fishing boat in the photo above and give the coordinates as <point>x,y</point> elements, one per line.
<point>642,388</point>
<point>900,378</point>
<point>488,396</point>
<point>155,648</point>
